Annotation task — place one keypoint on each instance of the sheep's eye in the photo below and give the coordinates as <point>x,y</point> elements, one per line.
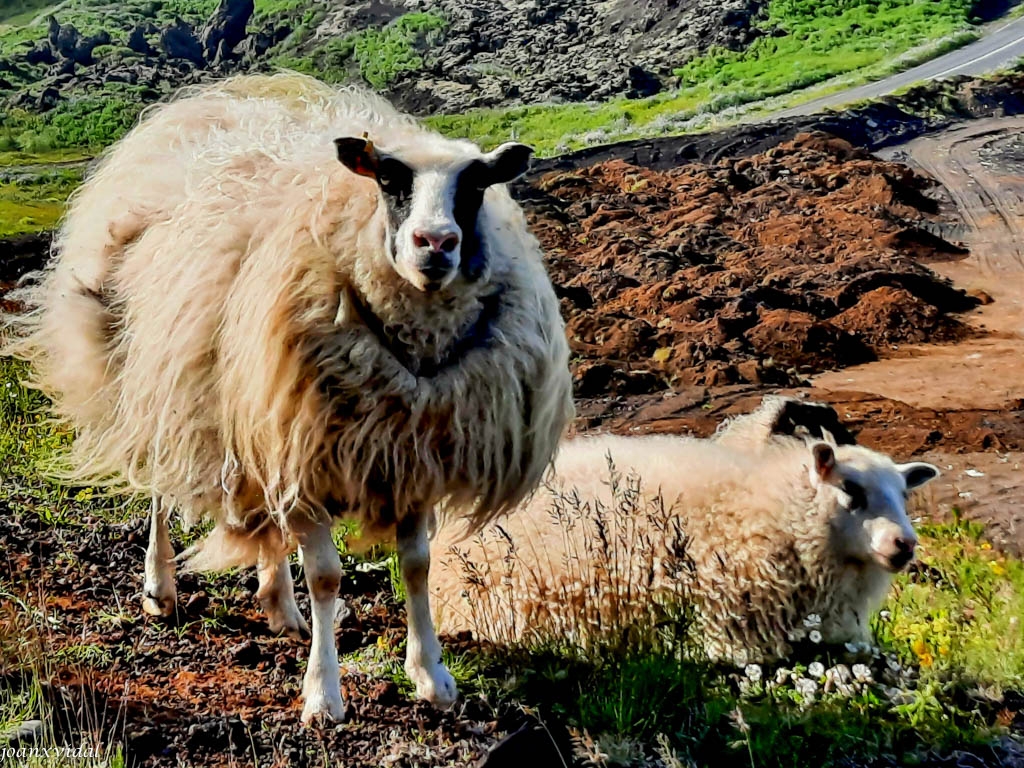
<point>858,497</point>
<point>395,179</point>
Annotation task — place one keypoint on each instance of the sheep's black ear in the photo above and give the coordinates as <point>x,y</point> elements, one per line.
<point>918,473</point>
<point>507,163</point>
<point>358,155</point>
<point>824,459</point>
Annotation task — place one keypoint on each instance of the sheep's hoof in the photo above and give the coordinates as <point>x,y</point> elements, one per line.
<point>321,711</point>
<point>435,685</point>
<point>159,605</point>
<point>294,627</point>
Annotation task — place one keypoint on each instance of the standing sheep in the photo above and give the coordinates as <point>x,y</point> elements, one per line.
<point>755,540</point>
<point>256,334</point>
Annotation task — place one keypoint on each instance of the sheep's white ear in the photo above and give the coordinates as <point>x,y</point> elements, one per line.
<point>507,163</point>
<point>917,473</point>
<point>824,459</point>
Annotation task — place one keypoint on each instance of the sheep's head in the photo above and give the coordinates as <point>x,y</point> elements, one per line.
<point>432,196</point>
<point>871,491</point>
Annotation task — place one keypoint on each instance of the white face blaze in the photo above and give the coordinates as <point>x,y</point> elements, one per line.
<point>427,243</point>
<point>873,525</point>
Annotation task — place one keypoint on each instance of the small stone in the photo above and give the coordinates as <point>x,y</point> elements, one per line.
<point>29,729</point>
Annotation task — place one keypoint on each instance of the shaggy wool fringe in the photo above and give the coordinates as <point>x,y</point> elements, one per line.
<point>196,326</point>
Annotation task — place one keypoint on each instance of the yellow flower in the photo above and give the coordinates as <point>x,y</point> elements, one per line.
<point>919,647</point>
<point>927,659</point>
<point>997,569</point>
<point>986,545</point>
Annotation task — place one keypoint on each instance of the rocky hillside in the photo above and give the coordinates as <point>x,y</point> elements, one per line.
<point>430,55</point>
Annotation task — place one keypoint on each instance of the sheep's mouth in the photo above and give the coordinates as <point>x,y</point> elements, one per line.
<point>478,334</point>
<point>893,563</point>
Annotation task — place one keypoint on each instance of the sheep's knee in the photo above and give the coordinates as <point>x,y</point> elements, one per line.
<point>159,594</point>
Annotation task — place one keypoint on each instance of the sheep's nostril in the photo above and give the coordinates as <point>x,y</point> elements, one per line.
<point>905,546</point>
<point>449,243</point>
<point>443,241</point>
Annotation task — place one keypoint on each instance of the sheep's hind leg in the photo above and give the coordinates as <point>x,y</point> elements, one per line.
<point>159,595</point>
<point>277,596</point>
<point>321,688</point>
<point>423,650</point>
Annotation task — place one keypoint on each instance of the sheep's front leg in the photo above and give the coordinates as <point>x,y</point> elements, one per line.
<point>158,592</point>
<point>423,651</point>
<point>321,688</point>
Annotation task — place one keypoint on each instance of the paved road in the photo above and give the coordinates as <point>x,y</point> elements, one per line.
<point>1001,46</point>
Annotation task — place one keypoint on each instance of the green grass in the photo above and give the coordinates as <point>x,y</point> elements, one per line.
<point>379,55</point>
<point>84,124</point>
<point>35,202</point>
<point>18,12</point>
<point>823,40</point>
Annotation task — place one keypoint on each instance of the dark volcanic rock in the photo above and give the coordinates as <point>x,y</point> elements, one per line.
<point>69,43</point>
<point>226,29</point>
<point>178,41</point>
<point>137,39</point>
<point>41,53</point>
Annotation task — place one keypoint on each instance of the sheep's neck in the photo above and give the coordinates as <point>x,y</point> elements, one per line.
<point>477,334</point>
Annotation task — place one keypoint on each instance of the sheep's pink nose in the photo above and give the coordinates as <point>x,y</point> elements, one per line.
<point>435,241</point>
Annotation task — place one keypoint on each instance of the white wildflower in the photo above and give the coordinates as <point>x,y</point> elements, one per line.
<point>816,669</point>
<point>753,672</point>
<point>815,636</point>
<point>840,673</point>
<point>862,673</point>
<point>806,688</point>
<point>782,675</point>
<point>813,621</point>
<point>884,615</point>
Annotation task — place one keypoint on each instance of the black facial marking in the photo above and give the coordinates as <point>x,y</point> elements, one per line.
<point>469,196</point>
<point>858,497</point>
<point>395,180</point>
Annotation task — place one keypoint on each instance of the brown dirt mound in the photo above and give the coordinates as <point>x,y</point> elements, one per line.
<point>756,270</point>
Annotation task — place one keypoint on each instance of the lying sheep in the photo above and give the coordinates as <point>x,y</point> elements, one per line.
<point>256,333</point>
<point>755,540</point>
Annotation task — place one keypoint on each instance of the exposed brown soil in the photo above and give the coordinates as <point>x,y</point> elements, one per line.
<point>758,270</point>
